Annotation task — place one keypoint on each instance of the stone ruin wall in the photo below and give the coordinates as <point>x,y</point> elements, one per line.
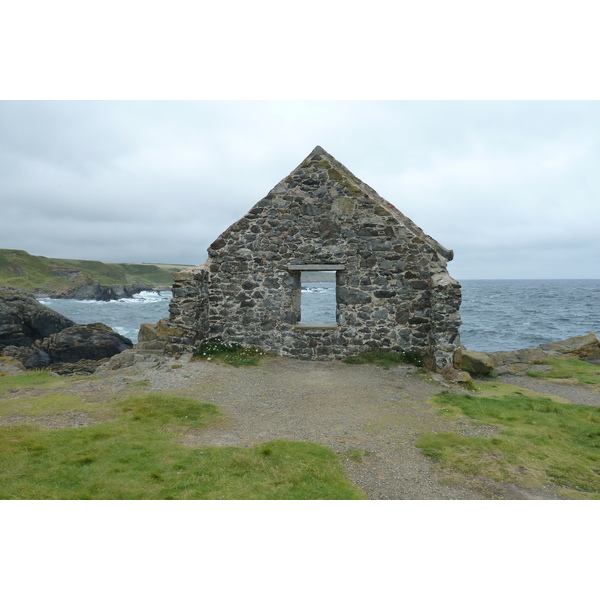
<point>393,290</point>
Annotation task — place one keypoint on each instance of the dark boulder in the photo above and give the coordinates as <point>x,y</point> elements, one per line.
<point>23,320</point>
<point>29,356</point>
<point>83,342</point>
<point>38,337</point>
<point>92,342</point>
<point>81,367</point>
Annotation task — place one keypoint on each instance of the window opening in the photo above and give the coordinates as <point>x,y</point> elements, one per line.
<point>318,298</point>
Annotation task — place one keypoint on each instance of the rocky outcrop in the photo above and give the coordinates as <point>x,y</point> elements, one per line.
<point>80,285</point>
<point>81,367</point>
<point>38,337</point>
<point>512,361</point>
<point>103,293</point>
<point>161,337</point>
<point>139,360</point>
<point>23,320</point>
<point>10,366</point>
<point>84,342</point>
<point>78,342</point>
<point>584,347</point>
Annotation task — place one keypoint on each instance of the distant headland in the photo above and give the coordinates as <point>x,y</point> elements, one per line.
<point>81,279</point>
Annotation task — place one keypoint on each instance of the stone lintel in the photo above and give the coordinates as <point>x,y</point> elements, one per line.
<point>337,267</point>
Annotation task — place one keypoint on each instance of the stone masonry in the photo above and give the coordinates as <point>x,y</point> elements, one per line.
<point>392,287</point>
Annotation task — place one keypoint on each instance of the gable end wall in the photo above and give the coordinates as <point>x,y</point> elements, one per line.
<point>394,291</point>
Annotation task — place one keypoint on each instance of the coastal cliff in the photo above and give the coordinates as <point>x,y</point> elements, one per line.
<point>81,279</point>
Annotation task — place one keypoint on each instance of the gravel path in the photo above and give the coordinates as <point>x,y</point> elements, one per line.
<point>369,416</point>
<point>362,412</point>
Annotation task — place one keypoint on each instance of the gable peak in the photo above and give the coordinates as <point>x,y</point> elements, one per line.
<point>318,150</point>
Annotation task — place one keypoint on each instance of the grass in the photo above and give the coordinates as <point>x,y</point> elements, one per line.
<point>233,354</point>
<point>539,442</point>
<point>385,358</point>
<point>30,381</point>
<point>136,453</point>
<point>357,454</point>
<point>26,272</point>
<point>570,369</point>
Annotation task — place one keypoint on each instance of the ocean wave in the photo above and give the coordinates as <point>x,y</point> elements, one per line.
<point>148,297</point>
<point>124,331</point>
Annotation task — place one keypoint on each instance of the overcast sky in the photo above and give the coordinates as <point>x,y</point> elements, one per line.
<point>512,187</point>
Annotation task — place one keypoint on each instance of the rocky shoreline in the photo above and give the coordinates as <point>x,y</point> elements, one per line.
<point>33,336</point>
<point>514,362</point>
<point>98,292</point>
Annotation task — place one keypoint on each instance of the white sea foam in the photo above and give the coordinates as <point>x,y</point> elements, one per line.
<point>147,297</point>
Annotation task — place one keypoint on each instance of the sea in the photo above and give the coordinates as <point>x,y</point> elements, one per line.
<point>497,314</point>
<point>124,316</point>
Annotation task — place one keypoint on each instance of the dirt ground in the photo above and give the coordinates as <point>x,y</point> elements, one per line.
<point>369,416</point>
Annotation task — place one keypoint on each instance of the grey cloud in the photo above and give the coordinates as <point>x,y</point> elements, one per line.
<point>512,187</point>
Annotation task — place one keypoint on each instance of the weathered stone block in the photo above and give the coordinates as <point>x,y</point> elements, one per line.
<point>475,363</point>
<point>389,293</point>
<point>348,295</point>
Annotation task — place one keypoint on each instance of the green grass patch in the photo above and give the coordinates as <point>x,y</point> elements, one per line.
<point>233,354</point>
<point>136,455</point>
<point>35,406</point>
<point>40,380</point>
<point>539,442</point>
<point>357,454</point>
<point>385,358</point>
<point>164,409</point>
<point>141,383</point>
<point>571,369</point>
<point>499,389</point>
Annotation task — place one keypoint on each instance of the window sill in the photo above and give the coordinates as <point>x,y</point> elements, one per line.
<point>316,326</point>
